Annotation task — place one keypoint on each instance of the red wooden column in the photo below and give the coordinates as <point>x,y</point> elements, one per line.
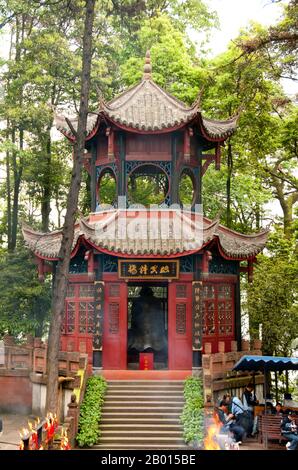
<point>115,326</point>
<point>180,326</point>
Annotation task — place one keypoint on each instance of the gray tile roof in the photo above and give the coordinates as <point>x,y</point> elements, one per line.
<point>166,232</point>
<point>148,107</point>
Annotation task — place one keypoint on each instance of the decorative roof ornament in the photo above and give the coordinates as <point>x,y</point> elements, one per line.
<point>147,66</point>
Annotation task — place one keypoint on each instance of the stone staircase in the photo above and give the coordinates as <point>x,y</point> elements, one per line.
<point>142,415</point>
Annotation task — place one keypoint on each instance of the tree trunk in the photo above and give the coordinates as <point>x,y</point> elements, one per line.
<point>229,180</point>
<point>8,199</point>
<point>258,217</point>
<point>17,174</point>
<point>60,283</point>
<point>46,200</point>
<point>287,204</point>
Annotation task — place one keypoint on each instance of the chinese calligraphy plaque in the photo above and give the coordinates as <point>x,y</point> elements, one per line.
<point>148,269</point>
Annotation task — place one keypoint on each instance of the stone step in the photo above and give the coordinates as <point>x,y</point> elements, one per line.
<point>145,385</point>
<point>143,432</point>
<point>147,382</point>
<point>140,447</point>
<point>140,417</point>
<point>144,439</point>
<point>155,419</point>
<point>145,399</point>
<point>140,410</point>
<point>116,405</point>
<point>164,411</point>
<point>139,426</point>
<point>143,391</point>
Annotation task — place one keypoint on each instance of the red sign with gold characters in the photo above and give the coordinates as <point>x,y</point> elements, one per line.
<point>146,361</point>
<point>148,269</point>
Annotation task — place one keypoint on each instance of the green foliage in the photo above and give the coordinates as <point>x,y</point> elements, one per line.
<point>248,196</point>
<point>192,416</point>
<point>175,66</point>
<point>25,302</point>
<point>273,296</point>
<point>90,412</point>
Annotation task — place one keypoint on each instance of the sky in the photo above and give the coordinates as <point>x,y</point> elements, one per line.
<point>236,14</point>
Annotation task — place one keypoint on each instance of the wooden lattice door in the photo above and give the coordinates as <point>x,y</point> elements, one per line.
<point>180,326</point>
<point>115,326</point>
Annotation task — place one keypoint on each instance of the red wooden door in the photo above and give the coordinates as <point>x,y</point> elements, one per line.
<point>180,325</point>
<point>115,326</point>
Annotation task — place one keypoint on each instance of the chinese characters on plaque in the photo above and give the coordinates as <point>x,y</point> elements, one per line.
<point>150,269</point>
<point>197,315</point>
<point>98,314</point>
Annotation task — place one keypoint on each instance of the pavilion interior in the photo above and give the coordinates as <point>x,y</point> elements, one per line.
<point>147,323</point>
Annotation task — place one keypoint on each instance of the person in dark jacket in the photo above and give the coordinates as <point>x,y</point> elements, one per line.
<point>290,431</point>
<point>249,402</point>
<point>228,422</point>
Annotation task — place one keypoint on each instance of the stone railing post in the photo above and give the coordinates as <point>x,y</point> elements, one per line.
<point>9,342</point>
<point>245,346</point>
<point>73,412</point>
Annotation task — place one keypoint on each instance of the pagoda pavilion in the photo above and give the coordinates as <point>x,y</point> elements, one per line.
<point>164,280</point>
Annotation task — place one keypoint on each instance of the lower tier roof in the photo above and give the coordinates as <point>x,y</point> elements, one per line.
<point>141,233</point>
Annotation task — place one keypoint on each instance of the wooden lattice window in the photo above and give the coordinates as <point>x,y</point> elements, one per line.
<point>181,319</point>
<point>225,309</point>
<point>86,317</point>
<point>87,290</point>
<point>69,318</point>
<point>224,291</point>
<point>209,310</point>
<point>70,290</point>
<point>218,310</point>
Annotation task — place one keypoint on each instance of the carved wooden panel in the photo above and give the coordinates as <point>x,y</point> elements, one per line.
<point>114,290</point>
<point>181,291</point>
<point>181,319</point>
<point>114,318</point>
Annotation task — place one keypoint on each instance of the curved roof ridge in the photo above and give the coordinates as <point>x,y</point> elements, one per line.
<point>243,235</point>
<point>231,119</point>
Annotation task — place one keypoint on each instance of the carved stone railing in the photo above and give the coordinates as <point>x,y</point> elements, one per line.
<point>217,368</point>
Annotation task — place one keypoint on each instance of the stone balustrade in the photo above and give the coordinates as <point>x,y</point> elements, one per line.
<point>23,375</point>
<point>218,375</point>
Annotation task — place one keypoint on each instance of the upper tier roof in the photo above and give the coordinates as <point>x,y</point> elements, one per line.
<point>148,107</point>
<point>163,232</point>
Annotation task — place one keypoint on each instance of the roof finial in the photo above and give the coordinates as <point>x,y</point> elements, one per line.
<point>147,66</point>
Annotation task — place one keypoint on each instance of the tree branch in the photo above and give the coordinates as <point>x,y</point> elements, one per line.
<point>74,132</point>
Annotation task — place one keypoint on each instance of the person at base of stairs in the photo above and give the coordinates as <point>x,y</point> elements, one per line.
<point>290,431</point>
<point>228,423</point>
